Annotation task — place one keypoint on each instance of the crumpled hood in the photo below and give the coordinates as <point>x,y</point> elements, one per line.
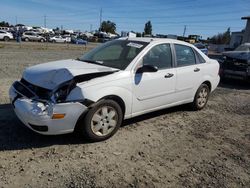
<point>243,55</point>
<point>49,75</point>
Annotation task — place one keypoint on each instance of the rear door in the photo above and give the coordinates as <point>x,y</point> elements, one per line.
<point>188,72</point>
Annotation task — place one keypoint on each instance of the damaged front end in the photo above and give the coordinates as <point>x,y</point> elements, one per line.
<point>50,111</point>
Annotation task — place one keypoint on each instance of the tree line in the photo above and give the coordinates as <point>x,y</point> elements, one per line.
<point>110,27</point>
<point>221,38</point>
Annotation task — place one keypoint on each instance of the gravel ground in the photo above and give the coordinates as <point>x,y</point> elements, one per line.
<point>175,147</point>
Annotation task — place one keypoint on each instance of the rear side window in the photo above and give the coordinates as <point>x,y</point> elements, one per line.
<point>200,58</point>
<point>184,55</point>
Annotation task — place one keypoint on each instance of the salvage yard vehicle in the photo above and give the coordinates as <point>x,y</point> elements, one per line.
<point>58,39</point>
<point>31,36</point>
<point>117,80</point>
<point>79,41</point>
<point>6,36</point>
<point>236,64</point>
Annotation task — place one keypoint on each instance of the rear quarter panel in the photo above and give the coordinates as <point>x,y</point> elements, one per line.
<point>210,72</point>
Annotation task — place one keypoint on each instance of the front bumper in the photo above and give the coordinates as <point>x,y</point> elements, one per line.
<point>38,116</point>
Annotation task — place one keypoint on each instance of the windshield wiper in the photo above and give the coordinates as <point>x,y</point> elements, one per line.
<point>95,62</point>
<point>90,61</point>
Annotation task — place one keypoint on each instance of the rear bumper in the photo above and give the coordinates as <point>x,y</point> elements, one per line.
<point>38,116</point>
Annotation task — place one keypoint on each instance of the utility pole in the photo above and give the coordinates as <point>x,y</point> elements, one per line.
<point>184,32</point>
<point>100,18</point>
<point>45,20</point>
<point>90,28</point>
<point>16,20</point>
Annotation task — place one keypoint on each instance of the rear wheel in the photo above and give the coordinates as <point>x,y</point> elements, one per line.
<point>26,39</point>
<point>201,97</point>
<point>6,39</point>
<point>102,121</point>
<point>42,40</point>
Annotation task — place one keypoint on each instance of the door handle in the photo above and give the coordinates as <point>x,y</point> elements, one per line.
<point>169,75</point>
<point>197,70</point>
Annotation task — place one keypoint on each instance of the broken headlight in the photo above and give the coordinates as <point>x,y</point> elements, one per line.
<point>60,94</point>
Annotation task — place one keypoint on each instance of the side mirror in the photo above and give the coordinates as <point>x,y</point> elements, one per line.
<point>147,68</point>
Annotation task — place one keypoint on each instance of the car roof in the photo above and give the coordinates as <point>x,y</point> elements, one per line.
<point>149,40</point>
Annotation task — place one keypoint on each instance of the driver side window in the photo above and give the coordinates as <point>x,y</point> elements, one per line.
<point>159,56</point>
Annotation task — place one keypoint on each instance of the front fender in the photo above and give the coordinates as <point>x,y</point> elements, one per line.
<point>97,93</point>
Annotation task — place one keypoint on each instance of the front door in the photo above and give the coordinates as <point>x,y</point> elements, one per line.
<point>153,90</point>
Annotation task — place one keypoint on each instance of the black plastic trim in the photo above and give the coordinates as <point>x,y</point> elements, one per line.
<point>40,128</point>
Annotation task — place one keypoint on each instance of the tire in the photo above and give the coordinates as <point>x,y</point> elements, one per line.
<point>201,97</point>
<point>6,39</point>
<point>27,39</point>
<point>42,40</point>
<point>96,125</point>
<point>53,41</point>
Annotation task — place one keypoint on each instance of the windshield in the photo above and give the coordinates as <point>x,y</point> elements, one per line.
<point>115,54</point>
<point>243,48</point>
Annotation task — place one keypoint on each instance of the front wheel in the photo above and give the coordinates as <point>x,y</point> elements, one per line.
<point>102,121</point>
<point>201,97</point>
<point>6,39</point>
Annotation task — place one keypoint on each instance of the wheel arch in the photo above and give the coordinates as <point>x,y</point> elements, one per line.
<point>208,83</point>
<point>117,99</point>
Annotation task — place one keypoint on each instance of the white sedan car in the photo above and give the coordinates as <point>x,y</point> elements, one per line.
<point>58,39</point>
<point>118,80</point>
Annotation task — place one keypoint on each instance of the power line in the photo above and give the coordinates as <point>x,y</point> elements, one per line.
<point>180,16</point>
<point>200,6</point>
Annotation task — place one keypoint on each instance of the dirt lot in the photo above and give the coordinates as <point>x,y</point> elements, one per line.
<point>169,148</point>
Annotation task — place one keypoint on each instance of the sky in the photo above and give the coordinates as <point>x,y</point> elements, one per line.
<point>202,17</point>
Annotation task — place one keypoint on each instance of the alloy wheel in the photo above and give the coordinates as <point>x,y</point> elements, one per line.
<point>202,97</point>
<point>104,121</point>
